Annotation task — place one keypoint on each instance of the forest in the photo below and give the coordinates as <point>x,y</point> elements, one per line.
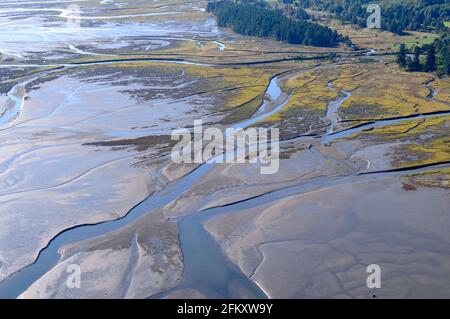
<point>254,20</point>
<point>437,57</point>
<point>396,15</point>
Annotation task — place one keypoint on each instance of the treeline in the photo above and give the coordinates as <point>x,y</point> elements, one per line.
<point>256,20</point>
<point>436,57</point>
<point>396,15</point>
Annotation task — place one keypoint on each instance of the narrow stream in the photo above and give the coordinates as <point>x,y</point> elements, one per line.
<point>220,45</point>
<point>332,112</point>
<point>371,125</point>
<point>16,97</point>
<point>273,94</point>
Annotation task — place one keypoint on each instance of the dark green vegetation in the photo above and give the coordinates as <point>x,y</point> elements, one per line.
<point>292,9</point>
<point>396,15</point>
<point>254,20</point>
<point>437,57</point>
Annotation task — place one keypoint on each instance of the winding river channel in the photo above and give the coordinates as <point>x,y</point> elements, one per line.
<point>197,245</point>
<point>211,278</point>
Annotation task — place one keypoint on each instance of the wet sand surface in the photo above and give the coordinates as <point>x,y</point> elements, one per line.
<point>86,177</point>
<point>318,244</point>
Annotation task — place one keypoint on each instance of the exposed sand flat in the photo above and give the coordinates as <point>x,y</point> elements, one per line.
<point>186,293</point>
<point>42,214</point>
<point>43,26</point>
<point>54,173</point>
<point>137,261</point>
<point>377,156</point>
<point>319,244</point>
<point>229,183</point>
<point>85,122</point>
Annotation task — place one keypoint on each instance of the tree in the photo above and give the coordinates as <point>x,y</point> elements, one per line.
<point>301,14</point>
<point>415,66</point>
<point>443,54</point>
<point>430,62</point>
<point>401,57</point>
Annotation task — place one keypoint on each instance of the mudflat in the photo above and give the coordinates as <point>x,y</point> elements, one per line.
<point>87,178</point>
